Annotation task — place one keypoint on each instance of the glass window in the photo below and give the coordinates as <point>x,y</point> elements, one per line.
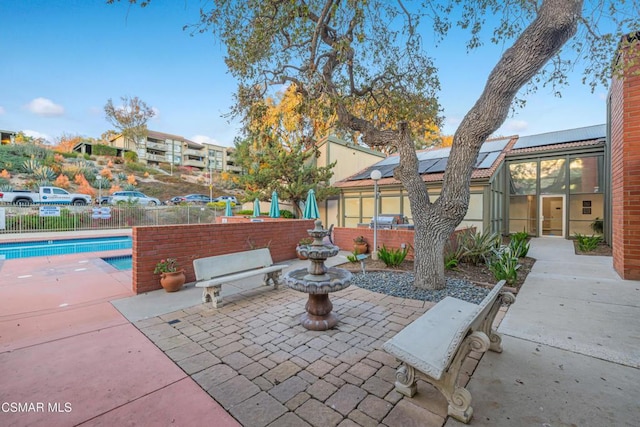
<point>523,177</point>
<point>552,176</point>
<point>584,209</point>
<point>475,207</point>
<point>390,204</point>
<point>522,214</point>
<point>585,174</point>
<point>367,207</point>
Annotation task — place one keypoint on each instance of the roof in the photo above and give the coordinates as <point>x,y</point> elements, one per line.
<point>163,136</point>
<point>564,136</point>
<point>433,162</point>
<point>335,140</point>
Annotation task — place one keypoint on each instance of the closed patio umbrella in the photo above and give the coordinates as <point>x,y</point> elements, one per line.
<point>274,209</point>
<point>227,210</point>
<point>256,207</point>
<point>311,206</point>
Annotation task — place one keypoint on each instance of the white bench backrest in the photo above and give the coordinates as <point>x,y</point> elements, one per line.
<point>486,303</point>
<point>222,265</point>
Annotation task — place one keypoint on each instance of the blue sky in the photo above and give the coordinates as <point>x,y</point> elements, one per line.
<point>63,59</point>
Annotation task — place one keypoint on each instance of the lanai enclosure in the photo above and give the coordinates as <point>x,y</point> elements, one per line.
<point>551,184</point>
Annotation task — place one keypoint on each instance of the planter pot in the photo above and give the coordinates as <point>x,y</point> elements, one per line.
<point>360,248</point>
<point>173,281</point>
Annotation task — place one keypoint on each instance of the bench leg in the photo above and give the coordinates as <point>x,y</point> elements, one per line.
<point>274,276</point>
<point>406,380</point>
<point>458,398</point>
<point>495,338</point>
<point>212,294</point>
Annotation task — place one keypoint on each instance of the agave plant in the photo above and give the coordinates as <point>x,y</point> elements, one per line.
<point>478,247</point>
<point>128,187</point>
<point>30,166</point>
<point>45,173</point>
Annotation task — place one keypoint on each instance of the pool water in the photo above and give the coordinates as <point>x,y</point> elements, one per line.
<point>124,262</point>
<point>13,250</point>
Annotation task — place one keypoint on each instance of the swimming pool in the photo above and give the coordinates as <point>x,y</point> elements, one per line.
<point>123,262</point>
<point>13,250</point>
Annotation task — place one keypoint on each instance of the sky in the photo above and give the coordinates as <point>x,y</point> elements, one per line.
<point>62,60</point>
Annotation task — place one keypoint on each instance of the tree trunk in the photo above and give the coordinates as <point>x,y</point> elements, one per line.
<point>434,222</point>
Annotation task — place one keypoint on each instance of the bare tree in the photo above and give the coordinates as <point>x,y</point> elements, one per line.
<point>130,118</point>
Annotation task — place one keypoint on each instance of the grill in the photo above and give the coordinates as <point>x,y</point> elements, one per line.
<point>390,221</point>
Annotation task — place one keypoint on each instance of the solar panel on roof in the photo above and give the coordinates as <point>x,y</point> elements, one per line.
<point>488,161</point>
<point>479,159</point>
<point>497,145</point>
<point>561,137</point>
<point>387,171</point>
<point>439,166</point>
<point>424,165</point>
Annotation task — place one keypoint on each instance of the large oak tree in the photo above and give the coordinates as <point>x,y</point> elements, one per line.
<point>354,53</point>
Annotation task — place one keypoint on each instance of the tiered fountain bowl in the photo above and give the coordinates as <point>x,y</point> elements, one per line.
<point>318,281</point>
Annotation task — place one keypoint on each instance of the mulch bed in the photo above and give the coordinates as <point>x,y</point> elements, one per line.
<point>479,275</point>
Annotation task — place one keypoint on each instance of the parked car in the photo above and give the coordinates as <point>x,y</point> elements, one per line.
<point>197,199</point>
<point>176,200</point>
<point>45,195</point>
<point>231,199</point>
<point>132,197</point>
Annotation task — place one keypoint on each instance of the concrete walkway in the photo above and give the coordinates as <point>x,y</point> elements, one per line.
<point>571,347</point>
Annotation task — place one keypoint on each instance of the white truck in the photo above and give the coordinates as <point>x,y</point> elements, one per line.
<point>45,195</point>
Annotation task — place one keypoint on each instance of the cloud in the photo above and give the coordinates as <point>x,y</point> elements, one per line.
<point>515,125</point>
<point>36,134</point>
<point>203,139</point>
<point>45,107</point>
<point>2,110</point>
<point>453,121</point>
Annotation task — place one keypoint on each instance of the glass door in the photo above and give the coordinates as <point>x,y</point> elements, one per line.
<point>552,218</point>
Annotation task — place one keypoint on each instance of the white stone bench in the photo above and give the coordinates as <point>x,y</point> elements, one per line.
<point>435,345</point>
<point>212,272</point>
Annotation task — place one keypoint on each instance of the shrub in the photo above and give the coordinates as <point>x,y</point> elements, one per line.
<point>504,264</point>
<point>478,247</point>
<point>520,248</point>
<point>587,243</point>
<point>392,257</point>
<point>597,225</point>
<point>130,157</point>
<point>520,236</point>
<point>453,253</point>
<point>353,258</point>
<point>284,213</point>
<point>104,150</point>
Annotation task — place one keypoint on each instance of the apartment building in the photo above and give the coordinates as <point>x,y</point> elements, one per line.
<point>164,148</point>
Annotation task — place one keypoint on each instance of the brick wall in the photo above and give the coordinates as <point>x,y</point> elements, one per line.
<point>391,239</point>
<point>625,175</point>
<point>188,242</point>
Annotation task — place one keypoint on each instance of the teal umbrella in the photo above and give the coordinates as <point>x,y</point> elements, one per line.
<point>256,207</point>
<point>274,210</point>
<point>227,210</point>
<point>311,206</point>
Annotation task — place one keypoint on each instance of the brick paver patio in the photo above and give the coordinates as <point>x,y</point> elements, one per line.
<point>253,357</point>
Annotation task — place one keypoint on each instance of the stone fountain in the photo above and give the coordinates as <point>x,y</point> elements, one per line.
<point>318,281</point>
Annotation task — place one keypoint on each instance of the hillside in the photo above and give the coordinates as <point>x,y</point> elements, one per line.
<point>26,166</point>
